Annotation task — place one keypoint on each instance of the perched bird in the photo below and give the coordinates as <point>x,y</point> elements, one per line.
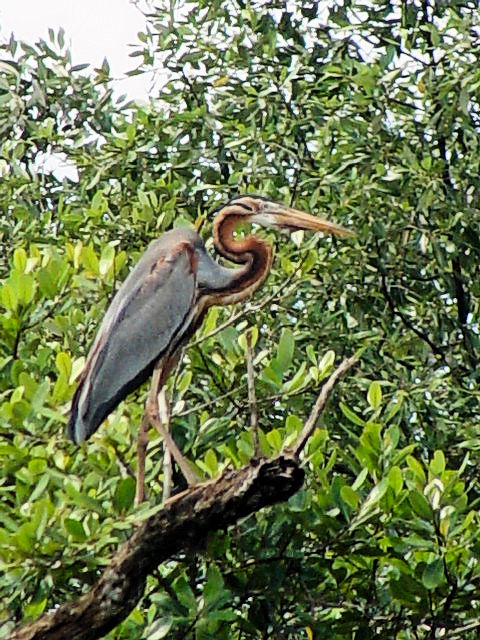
<point>164,298</point>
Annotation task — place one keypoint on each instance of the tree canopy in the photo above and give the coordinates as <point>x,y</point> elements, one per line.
<point>365,113</point>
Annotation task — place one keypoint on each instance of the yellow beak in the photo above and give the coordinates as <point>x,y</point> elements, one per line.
<point>279,215</point>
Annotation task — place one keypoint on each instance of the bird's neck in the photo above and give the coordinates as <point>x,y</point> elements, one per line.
<point>255,254</point>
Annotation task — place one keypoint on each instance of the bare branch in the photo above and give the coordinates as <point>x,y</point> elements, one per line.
<point>164,415</point>
<point>322,399</point>
<point>252,399</point>
<point>142,444</point>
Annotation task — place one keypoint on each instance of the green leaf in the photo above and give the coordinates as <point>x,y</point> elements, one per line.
<point>270,375</point>
<point>82,500</point>
<point>274,439</point>
<point>106,261</point>
<point>20,259</point>
<point>37,466</point>
<point>211,319</point>
<point>242,338</point>
<point>214,586</point>
<point>437,463</point>
<point>371,438</point>
<point>360,479</point>
<point>395,479</point>
<point>26,289</point>
<point>9,297</point>
<point>40,395</point>
<point>349,496</point>
<point>185,594</point>
<point>300,501</point>
<point>312,356</point>
<point>369,506</point>
<point>34,609</point>
<point>90,260</point>
<point>374,395</point>
<point>391,439</point>
<point>416,468</point>
<point>25,537</point>
<point>351,415</point>
<point>447,515</point>
<point>160,628</point>
<point>211,463</point>
<point>420,504</point>
<point>326,363</point>
<point>433,574</point>
<point>124,494</point>
<point>64,364</point>
<point>75,529</point>
<point>47,283</point>
<point>285,349</point>
<point>406,590</point>
<point>98,205</point>
<point>53,277</point>
<point>298,380</point>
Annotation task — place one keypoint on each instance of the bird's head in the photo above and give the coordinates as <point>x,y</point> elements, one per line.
<point>267,213</point>
<point>255,253</point>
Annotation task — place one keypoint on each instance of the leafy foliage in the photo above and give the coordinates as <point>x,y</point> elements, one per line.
<point>367,113</point>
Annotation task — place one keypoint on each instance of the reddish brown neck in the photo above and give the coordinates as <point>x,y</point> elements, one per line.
<point>252,252</point>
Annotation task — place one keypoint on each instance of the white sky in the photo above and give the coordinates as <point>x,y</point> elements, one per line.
<point>94,30</point>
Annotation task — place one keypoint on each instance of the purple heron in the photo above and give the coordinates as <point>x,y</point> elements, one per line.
<point>164,298</point>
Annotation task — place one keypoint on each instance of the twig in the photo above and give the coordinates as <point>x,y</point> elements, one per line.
<point>164,415</point>
<point>122,462</point>
<point>142,444</point>
<point>457,632</point>
<point>252,400</point>
<point>209,403</point>
<point>320,403</point>
<point>437,350</point>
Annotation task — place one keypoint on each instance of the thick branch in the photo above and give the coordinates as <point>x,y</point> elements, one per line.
<point>185,520</point>
<point>181,525</point>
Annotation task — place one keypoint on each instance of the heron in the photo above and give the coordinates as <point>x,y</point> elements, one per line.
<point>163,300</point>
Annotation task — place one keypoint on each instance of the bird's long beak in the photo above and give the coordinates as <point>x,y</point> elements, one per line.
<point>279,215</point>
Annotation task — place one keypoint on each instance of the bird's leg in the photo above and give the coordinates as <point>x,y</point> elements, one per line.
<point>252,400</point>
<point>153,416</point>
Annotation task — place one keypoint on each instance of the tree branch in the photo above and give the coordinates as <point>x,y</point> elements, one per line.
<point>321,402</point>
<point>438,351</point>
<point>181,525</point>
<point>185,520</point>
<point>252,399</point>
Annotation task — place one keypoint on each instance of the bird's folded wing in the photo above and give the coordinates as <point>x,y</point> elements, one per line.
<point>148,316</point>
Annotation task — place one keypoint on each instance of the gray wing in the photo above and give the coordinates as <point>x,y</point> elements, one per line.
<point>150,313</point>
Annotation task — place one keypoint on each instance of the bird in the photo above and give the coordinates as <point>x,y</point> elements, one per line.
<point>165,297</point>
